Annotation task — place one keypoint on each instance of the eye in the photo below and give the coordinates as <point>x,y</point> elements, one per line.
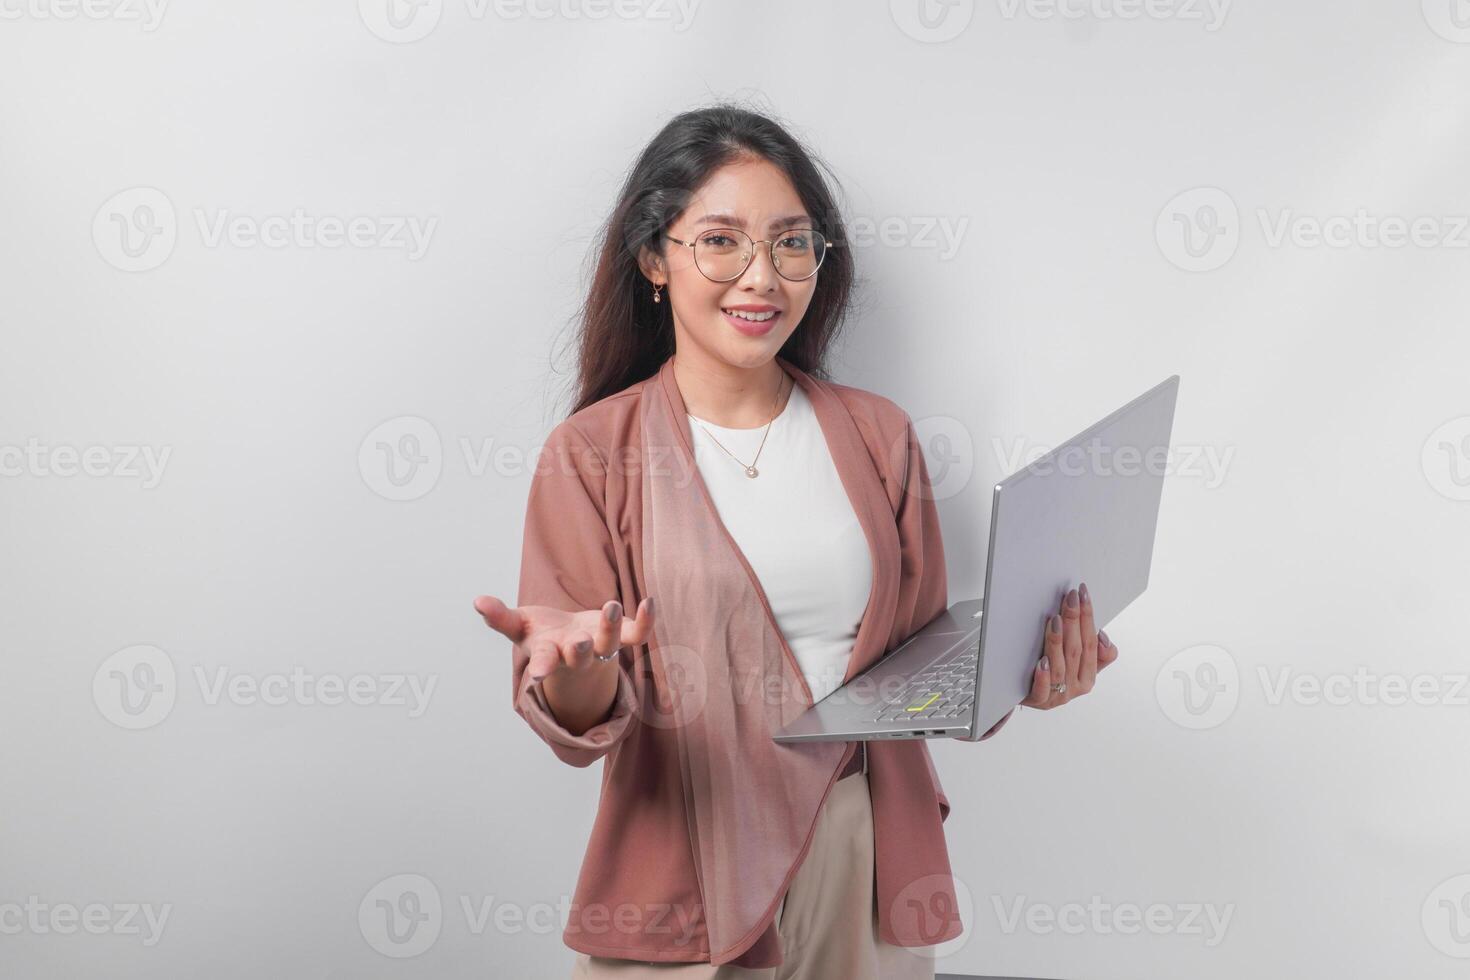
<point>716,239</point>
<point>795,241</point>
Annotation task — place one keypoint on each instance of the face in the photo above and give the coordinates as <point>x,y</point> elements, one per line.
<point>757,198</point>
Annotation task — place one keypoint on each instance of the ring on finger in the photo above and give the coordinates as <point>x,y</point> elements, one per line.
<point>1059,688</point>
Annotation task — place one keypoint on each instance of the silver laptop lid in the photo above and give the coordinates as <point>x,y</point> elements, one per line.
<point>1086,511</point>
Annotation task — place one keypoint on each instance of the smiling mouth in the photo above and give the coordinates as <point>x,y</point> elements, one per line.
<point>762,317</point>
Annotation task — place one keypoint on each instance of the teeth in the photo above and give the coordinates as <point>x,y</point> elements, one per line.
<point>757,317</point>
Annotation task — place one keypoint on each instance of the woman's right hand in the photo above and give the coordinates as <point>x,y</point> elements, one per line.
<point>568,644</point>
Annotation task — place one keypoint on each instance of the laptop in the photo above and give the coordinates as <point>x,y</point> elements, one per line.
<point>1084,512</point>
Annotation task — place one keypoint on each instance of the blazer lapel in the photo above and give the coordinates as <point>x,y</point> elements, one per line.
<point>860,477</point>
<point>856,469</point>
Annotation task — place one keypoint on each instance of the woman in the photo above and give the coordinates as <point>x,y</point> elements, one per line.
<point>786,527</point>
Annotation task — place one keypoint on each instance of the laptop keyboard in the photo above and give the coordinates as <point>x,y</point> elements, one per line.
<point>945,689</point>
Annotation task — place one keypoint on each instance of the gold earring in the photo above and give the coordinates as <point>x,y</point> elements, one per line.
<point>656,297</point>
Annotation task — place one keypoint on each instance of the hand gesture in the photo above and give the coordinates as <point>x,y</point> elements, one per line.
<point>559,641</point>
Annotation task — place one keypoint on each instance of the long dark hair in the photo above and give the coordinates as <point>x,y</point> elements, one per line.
<point>623,336</point>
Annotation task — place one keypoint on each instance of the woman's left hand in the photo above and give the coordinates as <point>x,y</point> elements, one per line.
<point>1073,653</point>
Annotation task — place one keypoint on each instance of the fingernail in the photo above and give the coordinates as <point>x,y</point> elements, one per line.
<point>537,677</point>
<point>1045,662</point>
<point>614,612</point>
<point>1072,599</point>
<point>1055,623</point>
<point>1083,593</point>
<point>650,603</point>
<point>1103,635</point>
<point>584,645</point>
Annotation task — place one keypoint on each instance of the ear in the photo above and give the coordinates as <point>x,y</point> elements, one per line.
<point>652,265</point>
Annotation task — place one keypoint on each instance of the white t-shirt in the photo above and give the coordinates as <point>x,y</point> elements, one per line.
<point>796,526</point>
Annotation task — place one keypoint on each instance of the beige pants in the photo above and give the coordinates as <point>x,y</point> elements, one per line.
<point>827,919</point>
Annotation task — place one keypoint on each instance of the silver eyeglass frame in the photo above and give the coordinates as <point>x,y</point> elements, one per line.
<point>770,245</point>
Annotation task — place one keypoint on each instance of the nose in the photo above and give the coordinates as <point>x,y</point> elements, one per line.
<point>761,274</point>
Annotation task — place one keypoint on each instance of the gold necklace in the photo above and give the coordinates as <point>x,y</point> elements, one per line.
<point>750,470</point>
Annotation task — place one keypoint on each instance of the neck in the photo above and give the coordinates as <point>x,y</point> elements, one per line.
<point>729,395</point>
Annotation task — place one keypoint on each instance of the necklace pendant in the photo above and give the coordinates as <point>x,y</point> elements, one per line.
<point>752,472</point>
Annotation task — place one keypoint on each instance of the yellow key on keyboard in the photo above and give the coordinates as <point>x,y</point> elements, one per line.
<point>921,707</point>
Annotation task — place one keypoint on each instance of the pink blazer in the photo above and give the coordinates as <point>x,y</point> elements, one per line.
<point>703,820</point>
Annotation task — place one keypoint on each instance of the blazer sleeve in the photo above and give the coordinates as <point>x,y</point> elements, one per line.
<point>567,562</point>
<point>922,543</point>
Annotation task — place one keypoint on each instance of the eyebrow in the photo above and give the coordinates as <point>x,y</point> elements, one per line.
<point>731,221</point>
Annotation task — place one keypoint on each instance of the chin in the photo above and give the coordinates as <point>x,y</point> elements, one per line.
<point>751,351</point>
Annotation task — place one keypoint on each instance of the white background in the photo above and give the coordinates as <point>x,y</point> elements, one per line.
<point>1327,382</point>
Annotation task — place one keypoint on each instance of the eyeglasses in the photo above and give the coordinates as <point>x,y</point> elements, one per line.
<point>723,254</point>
